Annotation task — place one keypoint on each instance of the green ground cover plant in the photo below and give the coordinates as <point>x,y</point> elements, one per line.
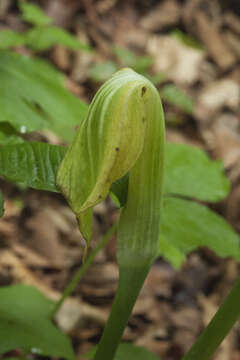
<point>42,35</point>
<point>118,149</point>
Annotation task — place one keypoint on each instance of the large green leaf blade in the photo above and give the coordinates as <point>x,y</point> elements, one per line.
<point>10,38</point>
<point>31,164</point>
<point>187,225</point>
<point>8,135</point>
<point>40,100</point>
<point>127,351</point>
<point>191,173</point>
<point>25,323</point>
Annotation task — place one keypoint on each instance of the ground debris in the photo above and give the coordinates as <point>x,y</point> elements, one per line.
<point>163,15</point>
<point>210,36</point>
<point>177,61</point>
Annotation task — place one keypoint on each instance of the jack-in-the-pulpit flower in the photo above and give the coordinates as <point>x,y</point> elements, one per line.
<point>123,133</point>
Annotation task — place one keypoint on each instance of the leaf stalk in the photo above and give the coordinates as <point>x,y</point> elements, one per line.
<point>81,271</point>
<point>218,328</point>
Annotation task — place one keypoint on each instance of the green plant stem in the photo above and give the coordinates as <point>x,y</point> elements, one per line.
<point>218,328</point>
<point>81,271</point>
<point>25,354</point>
<point>129,286</point>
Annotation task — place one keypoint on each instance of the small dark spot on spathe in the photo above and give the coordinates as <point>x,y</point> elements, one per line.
<point>144,89</point>
<point>117,149</point>
<point>143,119</point>
<point>100,196</point>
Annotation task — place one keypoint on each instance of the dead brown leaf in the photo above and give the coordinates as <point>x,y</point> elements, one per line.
<point>45,236</point>
<point>164,14</point>
<point>210,36</point>
<point>177,61</point>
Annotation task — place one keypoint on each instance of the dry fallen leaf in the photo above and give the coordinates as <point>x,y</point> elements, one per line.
<point>166,13</point>
<point>177,61</point>
<point>211,37</point>
<point>224,92</point>
<point>45,236</point>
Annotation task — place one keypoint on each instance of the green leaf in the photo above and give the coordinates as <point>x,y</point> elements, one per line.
<point>187,226</point>
<point>177,97</point>
<point>171,253</point>
<point>127,351</point>
<point>120,188</point>
<point>142,64</point>
<point>10,38</point>
<point>12,169</point>
<point>190,172</point>
<point>25,323</point>
<point>31,164</point>
<point>43,38</point>
<point>9,139</point>
<point>103,71</point>
<point>156,79</point>
<point>186,39</point>
<point>127,58</point>
<point>1,205</point>
<point>39,97</point>
<point>8,135</point>
<point>33,14</point>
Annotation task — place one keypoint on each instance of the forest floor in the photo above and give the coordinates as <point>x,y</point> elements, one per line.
<point>39,238</point>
